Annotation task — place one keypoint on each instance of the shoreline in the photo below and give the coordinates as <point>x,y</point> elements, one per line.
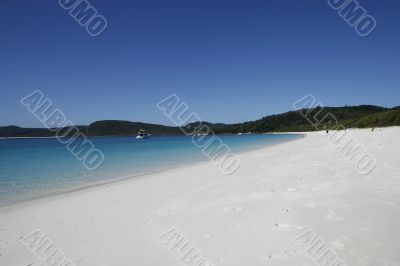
<point>248,218</point>
<point>110,181</point>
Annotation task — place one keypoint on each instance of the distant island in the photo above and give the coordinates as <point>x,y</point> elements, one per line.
<point>362,116</point>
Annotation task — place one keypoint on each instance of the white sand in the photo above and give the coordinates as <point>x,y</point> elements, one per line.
<point>247,219</point>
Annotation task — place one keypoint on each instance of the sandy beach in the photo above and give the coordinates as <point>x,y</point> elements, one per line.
<point>252,217</point>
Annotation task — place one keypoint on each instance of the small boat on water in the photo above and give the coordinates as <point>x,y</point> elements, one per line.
<point>202,134</point>
<point>241,130</point>
<point>142,134</point>
<point>241,133</point>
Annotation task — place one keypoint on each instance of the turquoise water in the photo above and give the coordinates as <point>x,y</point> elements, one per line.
<point>32,168</point>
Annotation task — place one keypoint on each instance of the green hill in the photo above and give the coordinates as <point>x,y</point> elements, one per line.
<point>381,119</point>
<point>349,116</point>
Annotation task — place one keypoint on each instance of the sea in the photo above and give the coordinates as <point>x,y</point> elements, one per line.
<point>32,168</point>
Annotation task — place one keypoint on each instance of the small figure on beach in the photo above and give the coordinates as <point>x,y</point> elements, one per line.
<point>327,131</point>
<point>372,129</point>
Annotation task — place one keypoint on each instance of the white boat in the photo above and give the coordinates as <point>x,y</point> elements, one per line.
<point>142,134</point>
<point>241,130</point>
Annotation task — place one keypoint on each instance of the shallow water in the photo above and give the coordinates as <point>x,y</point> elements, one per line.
<point>32,168</point>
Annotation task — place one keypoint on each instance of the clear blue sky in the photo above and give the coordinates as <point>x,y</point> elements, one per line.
<point>231,61</point>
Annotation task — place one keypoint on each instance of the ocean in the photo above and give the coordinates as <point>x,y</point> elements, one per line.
<point>33,168</point>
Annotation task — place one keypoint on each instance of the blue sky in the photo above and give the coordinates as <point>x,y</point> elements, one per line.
<point>230,61</point>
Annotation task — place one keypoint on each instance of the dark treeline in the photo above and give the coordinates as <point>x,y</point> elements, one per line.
<point>362,116</point>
